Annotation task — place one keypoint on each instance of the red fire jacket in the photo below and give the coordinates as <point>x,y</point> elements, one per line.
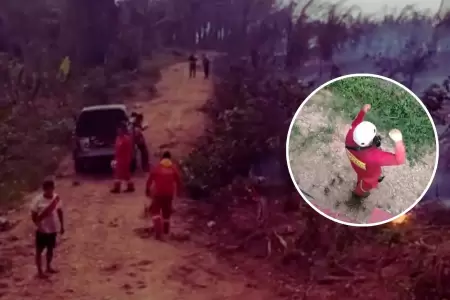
<point>367,163</point>
<point>123,155</point>
<point>164,180</point>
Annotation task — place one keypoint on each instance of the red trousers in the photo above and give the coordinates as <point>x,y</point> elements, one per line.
<point>363,186</point>
<point>122,171</point>
<point>162,207</point>
<point>161,211</point>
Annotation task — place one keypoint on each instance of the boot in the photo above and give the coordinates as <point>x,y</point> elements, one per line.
<point>363,196</point>
<point>166,227</point>
<point>116,188</point>
<point>355,202</point>
<point>130,188</point>
<point>157,227</point>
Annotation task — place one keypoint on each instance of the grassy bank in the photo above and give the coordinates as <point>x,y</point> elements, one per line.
<point>392,107</point>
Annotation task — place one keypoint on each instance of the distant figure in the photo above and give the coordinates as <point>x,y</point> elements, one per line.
<point>192,66</point>
<point>64,69</point>
<point>47,215</point>
<point>163,185</point>
<point>122,160</point>
<point>206,64</point>
<point>139,139</point>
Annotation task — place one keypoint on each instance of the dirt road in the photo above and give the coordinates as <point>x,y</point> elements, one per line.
<point>101,256</point>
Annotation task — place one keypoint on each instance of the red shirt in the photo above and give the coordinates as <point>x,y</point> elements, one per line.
<point>123,149</point>
<point>367,163</point>
<point>165,179</point>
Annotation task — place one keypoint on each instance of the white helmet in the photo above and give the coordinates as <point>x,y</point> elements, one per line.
<point>364,133</point>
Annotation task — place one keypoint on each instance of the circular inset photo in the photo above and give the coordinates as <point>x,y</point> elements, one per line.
<point>362,150</point>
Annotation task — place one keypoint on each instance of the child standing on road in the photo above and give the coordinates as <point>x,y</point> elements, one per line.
<point>47,215</point>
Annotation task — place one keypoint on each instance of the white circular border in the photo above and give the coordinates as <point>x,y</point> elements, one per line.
<point>295,118</point>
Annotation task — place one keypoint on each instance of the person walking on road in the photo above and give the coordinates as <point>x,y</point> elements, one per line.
<point>163,185</point>
<point>47,215</point>
<point>122,160</point>
<point>139,140</point>
<point>366,157</point>
<point>206,65</point>
<point>192,66</point>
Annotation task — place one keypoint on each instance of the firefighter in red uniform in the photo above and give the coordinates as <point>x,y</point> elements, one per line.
<point>363,150</point>
<point>122,159</point>
<point>163,185</point>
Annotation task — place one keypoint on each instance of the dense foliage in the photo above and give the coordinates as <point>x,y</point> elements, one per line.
<point>251,114</point>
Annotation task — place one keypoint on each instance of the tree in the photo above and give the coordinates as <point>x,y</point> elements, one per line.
<point>298,33</point>
<point>418,45</point>
<point>333,32</point>
<point>90,27</point>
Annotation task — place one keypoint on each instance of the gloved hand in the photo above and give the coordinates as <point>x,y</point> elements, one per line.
<point>366,108</point>
<point>396,135</point>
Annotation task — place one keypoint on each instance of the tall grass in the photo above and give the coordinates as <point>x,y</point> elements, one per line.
<point>392,107</point>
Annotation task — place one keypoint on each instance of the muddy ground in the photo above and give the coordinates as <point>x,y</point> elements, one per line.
<point>321,167</point>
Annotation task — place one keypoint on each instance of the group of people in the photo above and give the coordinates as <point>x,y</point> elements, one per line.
<point>164,182</point>
<point>193,66</point>
<point>163,185</point>
<point>164,179</point>
<point>127,138</point>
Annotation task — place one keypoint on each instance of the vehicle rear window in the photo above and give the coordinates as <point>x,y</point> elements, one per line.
<point>99,122</point>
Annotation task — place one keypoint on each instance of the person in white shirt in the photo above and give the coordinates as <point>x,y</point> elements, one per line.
<point>47,215</point>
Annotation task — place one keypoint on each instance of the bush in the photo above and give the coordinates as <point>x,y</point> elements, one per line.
<point>251,114</point>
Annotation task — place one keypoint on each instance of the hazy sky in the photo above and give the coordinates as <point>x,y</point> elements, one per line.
<point>374,6</point>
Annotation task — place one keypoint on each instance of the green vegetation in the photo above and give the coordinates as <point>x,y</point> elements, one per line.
<point>47,131</point>
<point>392,107</point>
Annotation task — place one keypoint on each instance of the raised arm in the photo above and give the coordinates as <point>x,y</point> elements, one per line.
<point>393,159</point>
<point>360,117</point>
<point>386,159</point>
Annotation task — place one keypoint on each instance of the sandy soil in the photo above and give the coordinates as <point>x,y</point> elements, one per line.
<point>105,253</point>
<point>321,168</point>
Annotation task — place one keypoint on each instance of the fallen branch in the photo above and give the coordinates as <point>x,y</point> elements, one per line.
<point>345,269</point>
<point>425,245</point>
<point>281,240</point>
<point>269,247</point>
<point>331,278</point>
<point>250,237</point>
